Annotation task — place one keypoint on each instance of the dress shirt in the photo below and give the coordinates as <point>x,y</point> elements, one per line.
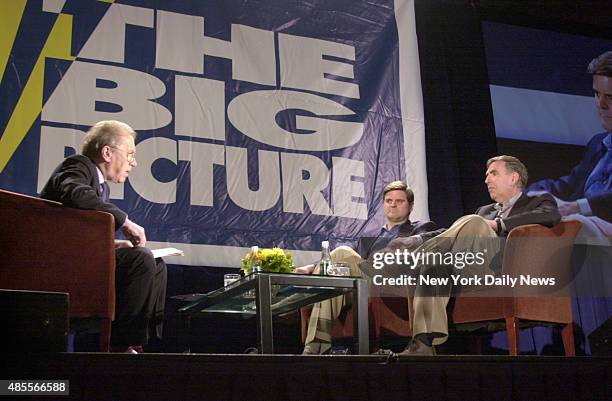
<point>503,209</point>
<point>599,181</point>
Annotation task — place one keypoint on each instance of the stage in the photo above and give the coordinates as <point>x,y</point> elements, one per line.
<point>99,376</point>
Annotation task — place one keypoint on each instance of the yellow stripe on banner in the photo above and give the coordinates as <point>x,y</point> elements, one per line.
<point>29,106</point>
<point>11,13</point>
<point>107,1</point>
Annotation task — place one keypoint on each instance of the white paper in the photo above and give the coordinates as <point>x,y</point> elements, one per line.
<point>160,253</point>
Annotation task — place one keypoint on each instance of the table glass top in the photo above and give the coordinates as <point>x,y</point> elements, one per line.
<point>288,291</point>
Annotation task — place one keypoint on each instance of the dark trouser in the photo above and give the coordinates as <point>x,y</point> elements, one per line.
<point>140,284</point>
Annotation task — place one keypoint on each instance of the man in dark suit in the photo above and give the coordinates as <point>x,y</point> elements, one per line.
<point>587,190</point>
<point>398,202</point>
<point>505,178</point>
<point>109,154</point>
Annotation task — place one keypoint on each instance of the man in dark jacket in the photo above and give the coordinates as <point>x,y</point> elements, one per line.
<point>80,181</point>
<point>506,178</point>
<point>398,202</point>
<point>586,193</point>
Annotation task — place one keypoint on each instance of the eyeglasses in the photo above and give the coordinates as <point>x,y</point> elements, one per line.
<point>131,156</point>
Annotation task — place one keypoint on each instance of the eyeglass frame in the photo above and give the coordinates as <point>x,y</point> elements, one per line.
<point>130,156</point>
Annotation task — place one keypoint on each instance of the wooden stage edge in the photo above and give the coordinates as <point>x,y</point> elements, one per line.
<point>96,376</point>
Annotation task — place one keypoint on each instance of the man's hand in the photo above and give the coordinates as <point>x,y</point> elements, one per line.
<point>123,243</point>
<point>308,269</point>
<point>492,224</point>
<point>409,243</point>
<point>132,231</point>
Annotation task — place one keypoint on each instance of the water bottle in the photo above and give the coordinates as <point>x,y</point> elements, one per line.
<point>254,266</point>
<point>326,261</point>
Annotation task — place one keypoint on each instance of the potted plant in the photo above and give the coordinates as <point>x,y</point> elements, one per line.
<point>272,260</point>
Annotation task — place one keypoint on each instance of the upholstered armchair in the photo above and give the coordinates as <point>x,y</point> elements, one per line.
<point>532,250</point>
<point>536,251</point>
<point>48,247</point>
<point>388,318</point>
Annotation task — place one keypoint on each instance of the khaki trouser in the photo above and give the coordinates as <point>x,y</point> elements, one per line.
<point>324,313</point>
<point>470,233</point>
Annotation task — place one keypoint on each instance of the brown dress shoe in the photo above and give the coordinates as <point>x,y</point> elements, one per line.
<point>316,348</point>
<point>418,348</point>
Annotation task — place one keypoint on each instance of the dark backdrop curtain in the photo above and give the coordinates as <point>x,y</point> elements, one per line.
<point>460,134</point>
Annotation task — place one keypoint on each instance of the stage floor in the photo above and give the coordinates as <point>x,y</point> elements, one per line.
<point>98,376</point>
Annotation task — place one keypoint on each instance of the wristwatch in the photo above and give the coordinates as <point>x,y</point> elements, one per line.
<point>499,225</point>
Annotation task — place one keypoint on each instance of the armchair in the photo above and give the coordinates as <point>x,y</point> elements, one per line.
<point>48,247</point>
<point>524,255</point>
<point>388,317</point>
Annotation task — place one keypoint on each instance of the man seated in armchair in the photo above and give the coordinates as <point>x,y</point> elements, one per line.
<point>109,154</point>
<point>505,177</point>
<point>399,231</point>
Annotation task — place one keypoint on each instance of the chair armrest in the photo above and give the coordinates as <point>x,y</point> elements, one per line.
<point>48,247</point>
<point>539,251</point>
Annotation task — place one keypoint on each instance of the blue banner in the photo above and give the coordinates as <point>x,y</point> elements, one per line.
<point>265,123</point>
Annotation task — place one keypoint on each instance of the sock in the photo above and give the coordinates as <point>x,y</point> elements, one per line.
<point>425,338</point>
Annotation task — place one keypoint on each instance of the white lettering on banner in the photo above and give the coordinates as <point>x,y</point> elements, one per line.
<point>296,187</point>
<point>344,189</point>
<point>304,180</point>
<point>238,189</point>
<point>181,45</point>
<point>142,179</point>
<point>265,105</point>
<point>207,118</point>
<point>304,177</point>
<point>107,42</point>
<point>303,66</point>
<point>74,99</point>
<point>203,156</point>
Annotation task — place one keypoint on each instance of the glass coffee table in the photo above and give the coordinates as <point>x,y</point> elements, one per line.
<point>265,295</point>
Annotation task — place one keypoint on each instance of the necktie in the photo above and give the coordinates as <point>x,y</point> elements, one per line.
<point>104,192</point>
<point>499,208</point>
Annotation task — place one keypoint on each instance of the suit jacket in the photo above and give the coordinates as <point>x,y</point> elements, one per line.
<point>75,184</point>
<point>527,210</point>
<point>571,187</point>
<point>425,229</point>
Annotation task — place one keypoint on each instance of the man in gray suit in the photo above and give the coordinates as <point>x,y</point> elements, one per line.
<point>505,178</point>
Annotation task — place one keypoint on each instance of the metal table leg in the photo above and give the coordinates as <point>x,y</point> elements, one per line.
<point>360,318</point>
<point>184,332</point>
<point>263,298</point>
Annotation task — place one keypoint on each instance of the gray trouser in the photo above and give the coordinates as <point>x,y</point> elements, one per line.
<point>469,232</point>
<point>324,313</point>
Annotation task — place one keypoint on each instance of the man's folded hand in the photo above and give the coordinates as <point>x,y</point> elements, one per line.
<point>409,243</point>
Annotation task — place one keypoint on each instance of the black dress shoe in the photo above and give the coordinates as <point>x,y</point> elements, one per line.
<point>251,350</point>
<point>418,348</point>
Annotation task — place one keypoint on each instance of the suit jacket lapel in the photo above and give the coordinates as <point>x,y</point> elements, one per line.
<point>520,204</point>
<point>406,229</point>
